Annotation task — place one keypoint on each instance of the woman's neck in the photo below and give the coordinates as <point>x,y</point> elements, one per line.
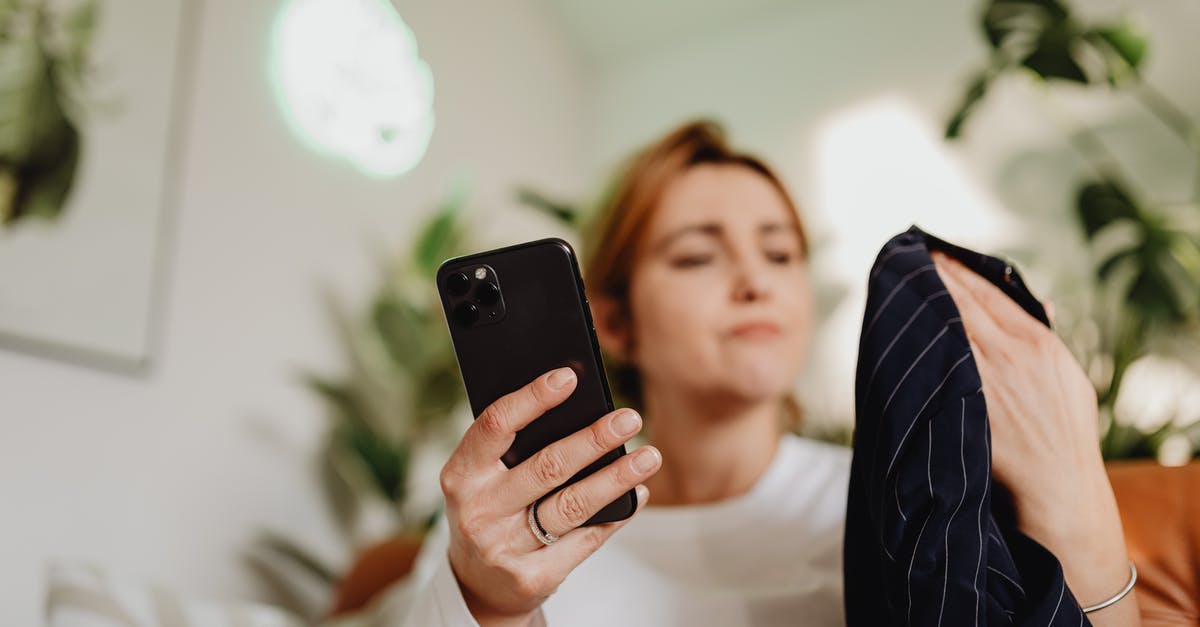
<point>711,451</point>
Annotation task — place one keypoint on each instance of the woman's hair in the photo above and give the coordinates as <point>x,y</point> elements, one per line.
<point>626,211</point>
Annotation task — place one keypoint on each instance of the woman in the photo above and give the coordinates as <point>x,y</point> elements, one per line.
<point>700,292</point>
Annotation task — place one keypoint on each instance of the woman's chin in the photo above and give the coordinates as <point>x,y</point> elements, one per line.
<point>762,369</point>
<point>739,376</point>
<point>760,385</point>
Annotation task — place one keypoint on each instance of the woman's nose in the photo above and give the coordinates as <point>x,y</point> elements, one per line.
<point>750,284</point>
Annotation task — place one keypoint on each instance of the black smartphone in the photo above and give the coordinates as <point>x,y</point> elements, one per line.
<point>515,313</point>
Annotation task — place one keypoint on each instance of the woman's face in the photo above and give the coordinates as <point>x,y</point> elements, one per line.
<point>719,294</point>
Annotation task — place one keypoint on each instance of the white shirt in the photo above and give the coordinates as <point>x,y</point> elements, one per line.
<point>771,556</point>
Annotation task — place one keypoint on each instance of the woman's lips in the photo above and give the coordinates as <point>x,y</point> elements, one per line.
<point>756,330</point>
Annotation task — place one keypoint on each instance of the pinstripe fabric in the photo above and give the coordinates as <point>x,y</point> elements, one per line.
<point>927,540</point>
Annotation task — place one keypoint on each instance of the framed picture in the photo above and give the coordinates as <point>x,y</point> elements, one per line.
<point>89,123</point>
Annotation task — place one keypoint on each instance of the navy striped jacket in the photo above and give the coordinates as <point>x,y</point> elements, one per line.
<point>927,541</point>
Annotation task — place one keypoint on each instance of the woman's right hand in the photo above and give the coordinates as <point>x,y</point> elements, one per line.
<point>505,573</point>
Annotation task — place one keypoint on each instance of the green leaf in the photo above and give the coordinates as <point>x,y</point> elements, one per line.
<point>1108,266</point>
<point>403,329</point>
<point>371,383</point>
<point>78,27</point>
<point>1101,203</point>
<point>45,186</point>
<point>1125,441</point>
<point>1126,41</point>
<point>1185,251</point>
<point>341,398</point>
<point>339,489</point>
<point>1153,295</point>
<point>440,391</point>
<point>9,15</point>
<point>387,463</point>
<point>1192,431</point>
<point>1052,59</point>
<point>1047,39</point>
<point>39,142</point>
<point>29,111</point>
<point>974,95</point>
<point>441,236</point>
<point>295,554</point>
<point>1005,21</point>
<point>289,588</point>
<point>563,212</point>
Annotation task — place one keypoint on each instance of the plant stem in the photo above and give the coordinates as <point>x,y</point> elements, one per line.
<point>1130,346</point>
<point>1088,145</point>
<point>8,194</point>
<point>1173,118</point>
<point>1168,113</point>
<point>1164,109</point>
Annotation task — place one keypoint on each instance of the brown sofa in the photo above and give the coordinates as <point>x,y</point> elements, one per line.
<point>1160,510</point>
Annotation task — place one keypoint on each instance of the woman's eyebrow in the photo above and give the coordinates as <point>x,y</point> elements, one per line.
<point>778,227</point>
<point>711,229</point>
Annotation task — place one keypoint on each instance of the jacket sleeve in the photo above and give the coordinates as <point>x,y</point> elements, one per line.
<point>951,563</point>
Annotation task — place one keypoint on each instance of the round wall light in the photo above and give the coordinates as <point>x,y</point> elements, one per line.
<point>351,84</point>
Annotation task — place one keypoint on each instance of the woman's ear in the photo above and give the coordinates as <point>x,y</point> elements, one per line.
<point>612,326</point>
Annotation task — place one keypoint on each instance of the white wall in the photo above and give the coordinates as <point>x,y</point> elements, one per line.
<point>169,476</point>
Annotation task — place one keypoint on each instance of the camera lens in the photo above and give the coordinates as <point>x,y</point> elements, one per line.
<point>458,283</point>
<point>487,293</point>
<point>466,314</point>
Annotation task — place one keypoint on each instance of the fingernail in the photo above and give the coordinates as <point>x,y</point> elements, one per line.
<point>560,378</point>
<point>645,460</point>
<point>626,422</point>
<point>643,493</point>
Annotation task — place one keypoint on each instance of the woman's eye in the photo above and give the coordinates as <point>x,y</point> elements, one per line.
<point>779,257</point>
<point>690,261</point>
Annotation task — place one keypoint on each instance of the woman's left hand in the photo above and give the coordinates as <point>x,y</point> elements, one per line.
<point>1045,440</point>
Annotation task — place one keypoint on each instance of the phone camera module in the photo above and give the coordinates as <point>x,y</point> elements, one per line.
<point>458,283</point>
<point>487,294</point>
<point>471,296</point>
<point>466,314</point>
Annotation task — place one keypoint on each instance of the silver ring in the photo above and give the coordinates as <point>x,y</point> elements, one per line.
<point>535,525</point>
